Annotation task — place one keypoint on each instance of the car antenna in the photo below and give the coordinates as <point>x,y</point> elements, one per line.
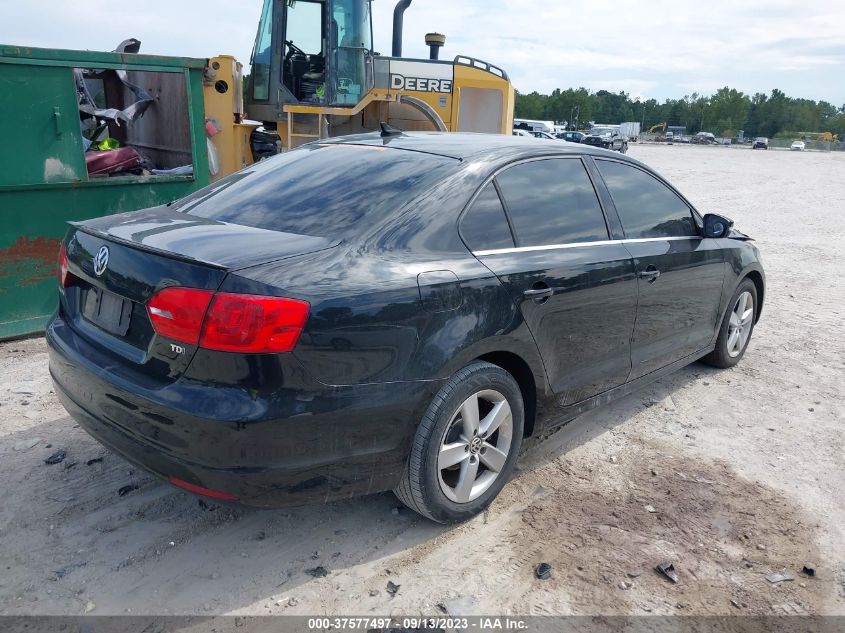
<point>388,130</point>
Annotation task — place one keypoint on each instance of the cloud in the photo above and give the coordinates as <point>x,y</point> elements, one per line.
<point>656,48</point>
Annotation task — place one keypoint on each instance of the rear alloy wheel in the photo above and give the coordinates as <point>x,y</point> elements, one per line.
<point>737,326</point>
<point>466,445</point>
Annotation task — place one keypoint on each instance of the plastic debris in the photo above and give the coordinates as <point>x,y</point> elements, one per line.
<point>89,606</point>
<point>96,460</point>
<point>317,572</point>
<point>650,509</point>
<point>668,569</point>
<point>125,490</point>
<point>392,588</point>
<point>543,571</point>
<point>56,458</point>
<point>808,571</point>
<point>776,578</point>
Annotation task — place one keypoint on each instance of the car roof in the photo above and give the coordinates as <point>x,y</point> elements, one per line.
<point>469,147</point>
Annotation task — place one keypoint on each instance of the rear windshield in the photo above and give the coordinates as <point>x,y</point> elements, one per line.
<point>330,190</point>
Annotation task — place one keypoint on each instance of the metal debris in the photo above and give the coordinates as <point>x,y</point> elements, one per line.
<point>668,569</point>
<point>776,578</point>
<point>125,490</point>
<point>56,458</point>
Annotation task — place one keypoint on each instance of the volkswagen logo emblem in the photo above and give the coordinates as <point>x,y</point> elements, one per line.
<point>101,260</point>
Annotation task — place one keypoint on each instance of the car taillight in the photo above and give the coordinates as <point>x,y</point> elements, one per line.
<point>62,271</point>
<point>177,313</point>
<point>253,323</point>
<point>223,321</point>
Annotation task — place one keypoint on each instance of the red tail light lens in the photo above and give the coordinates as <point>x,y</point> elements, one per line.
<point>250,324</point>
<point>62,270</point>
<point>253,324</point>
<point>177,313</point>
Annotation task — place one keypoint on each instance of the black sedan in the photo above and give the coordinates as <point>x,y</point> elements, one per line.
<point>389,313</point>
<point>572,137</point>
<point>607,138</point>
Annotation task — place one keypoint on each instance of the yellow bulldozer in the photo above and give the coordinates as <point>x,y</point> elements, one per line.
<point>315,74</point>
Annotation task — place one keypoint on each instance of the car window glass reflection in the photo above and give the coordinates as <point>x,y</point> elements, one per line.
<point>646,206</point>
<point>485,226</point>
<point>331,191</point>
<point>552,202</point>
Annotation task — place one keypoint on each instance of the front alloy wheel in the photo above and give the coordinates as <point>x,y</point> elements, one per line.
<point>736,328</point>
<point>740,324</point>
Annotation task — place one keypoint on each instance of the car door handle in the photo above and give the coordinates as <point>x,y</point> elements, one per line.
<point>539,293</point>
<point>651,275</point>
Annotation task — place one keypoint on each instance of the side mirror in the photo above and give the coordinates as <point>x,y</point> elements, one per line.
<point>716,225</point>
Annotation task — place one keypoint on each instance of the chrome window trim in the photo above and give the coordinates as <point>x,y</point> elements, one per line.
<point>550,247</point>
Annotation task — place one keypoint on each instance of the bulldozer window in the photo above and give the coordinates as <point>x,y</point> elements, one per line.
<point>262,55</point>
<point>304,69</point>
<point>353,39</point>
<point>305,27</point>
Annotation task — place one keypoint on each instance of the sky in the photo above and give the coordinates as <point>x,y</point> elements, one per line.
<point>648,48</point>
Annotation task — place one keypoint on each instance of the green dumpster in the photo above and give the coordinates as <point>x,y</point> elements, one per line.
<point>44,165</point>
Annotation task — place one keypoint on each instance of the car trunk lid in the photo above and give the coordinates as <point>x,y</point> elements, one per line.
<point>106,298</point>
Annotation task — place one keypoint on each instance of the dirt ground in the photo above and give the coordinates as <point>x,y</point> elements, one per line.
<point>731,475</point>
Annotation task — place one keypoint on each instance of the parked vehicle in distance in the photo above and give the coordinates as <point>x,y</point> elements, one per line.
<point>544,135</point>
<point>534,125</point>
<point>670,137</point>
<point>704,138</point>
<point>572,136</point>
<point>411,309</point>
<point>606,137</point>
<point>761,142</point>
<point>523,133</point>
<point>797,146</point>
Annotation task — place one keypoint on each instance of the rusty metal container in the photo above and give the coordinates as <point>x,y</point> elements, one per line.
<point>44,182</point>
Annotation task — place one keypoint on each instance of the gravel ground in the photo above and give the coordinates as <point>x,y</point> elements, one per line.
<point>731,475</point>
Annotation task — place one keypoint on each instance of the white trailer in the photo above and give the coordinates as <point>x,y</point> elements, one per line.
<point>631,129</point>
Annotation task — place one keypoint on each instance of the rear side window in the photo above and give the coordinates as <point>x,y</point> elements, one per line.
<point>646,206</point>
<point>484,226</point>
<point>331,190</point>
<point>552,201</point>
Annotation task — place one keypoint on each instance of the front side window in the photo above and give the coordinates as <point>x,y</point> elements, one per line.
<point>485,227</point>
<point>552,201</point>
<point>647,207</point>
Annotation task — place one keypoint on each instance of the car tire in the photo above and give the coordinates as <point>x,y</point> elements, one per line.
<point>737,327</point>
<point>459,491</point>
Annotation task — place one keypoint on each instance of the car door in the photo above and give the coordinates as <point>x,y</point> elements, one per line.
<point>576,288</point>
<point>680,274</point>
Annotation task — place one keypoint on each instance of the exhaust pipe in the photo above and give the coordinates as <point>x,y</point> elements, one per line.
<point>435,41</point>
<point>398,18</point>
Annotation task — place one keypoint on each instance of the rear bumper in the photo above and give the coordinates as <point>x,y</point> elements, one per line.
<point>295,442</point>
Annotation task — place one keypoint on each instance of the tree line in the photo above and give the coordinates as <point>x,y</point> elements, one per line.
<point>724,113</point>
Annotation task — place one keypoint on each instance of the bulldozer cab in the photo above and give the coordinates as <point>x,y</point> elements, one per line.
<point>314,75</point>
<point>311,52</point>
